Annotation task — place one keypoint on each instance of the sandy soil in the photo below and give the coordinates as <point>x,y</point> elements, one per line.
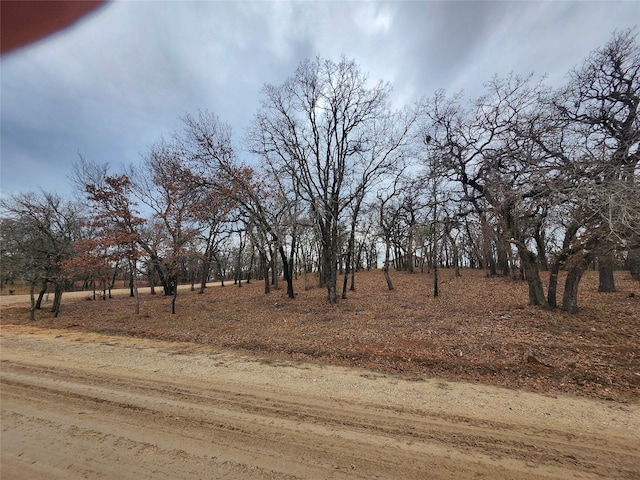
<point>80,405</point>
<point>25,298</point>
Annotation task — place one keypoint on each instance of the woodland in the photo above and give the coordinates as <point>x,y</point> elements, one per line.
<point>527,183</point>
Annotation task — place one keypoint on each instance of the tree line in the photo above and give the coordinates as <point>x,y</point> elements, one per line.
<point>521,179</point>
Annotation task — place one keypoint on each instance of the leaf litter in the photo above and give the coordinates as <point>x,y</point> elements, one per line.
<point>479,329</point>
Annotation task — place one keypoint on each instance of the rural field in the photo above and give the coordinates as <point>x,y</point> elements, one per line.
<point>385,384</point>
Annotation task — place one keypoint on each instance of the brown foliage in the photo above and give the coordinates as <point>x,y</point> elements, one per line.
<point>479,329</point>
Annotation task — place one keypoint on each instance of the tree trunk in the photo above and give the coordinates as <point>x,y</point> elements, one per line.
<point>574,275</point>
<point>552,291</point>
<point>287,266</point>
<point>566,251</point>
<point>57,299</point>
<point>605,270</point>
<point>322,269</point>
<point>385,268</point>
<point>488,257</point>
<point>410,250</point>
<point>237,277</point>
<point>345,281</point>
<point>454,250</point>
<point>32,293</point>
<point>43,290</point>
<point>175,296</point>
<point>274,268</point>
<point>540,245</point>
<point>305,276</point>
<point>332,291</point>
<point>134,286</point>
<point>167,285</point>
<point>329,262</point>
<point>204,274</point>
<point>356,264</point>
<point>633,261</point>
<point>492,265</point>
<point>530,266</point>
<point>349,259</point>
<point>265,271</point>
<point>503,257</point>
<point>251,260</point>
<point>436,291</point>
<point>332,285</point>
<point>152,279</point>
<point>333,260</point>
<point>163,275</point>
<point>387,277</point>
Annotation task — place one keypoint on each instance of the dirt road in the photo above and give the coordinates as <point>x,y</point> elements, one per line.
<point>25,299</point>
<point>78,405</point>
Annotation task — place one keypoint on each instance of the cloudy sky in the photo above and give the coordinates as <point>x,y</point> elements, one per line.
<point>116,82</point>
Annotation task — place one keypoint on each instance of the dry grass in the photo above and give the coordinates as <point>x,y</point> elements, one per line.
<point>479,329</point>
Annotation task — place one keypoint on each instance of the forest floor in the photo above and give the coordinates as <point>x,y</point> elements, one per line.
<point>479,329</point>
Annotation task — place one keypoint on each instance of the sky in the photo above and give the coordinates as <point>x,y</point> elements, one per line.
<point>121,79</point>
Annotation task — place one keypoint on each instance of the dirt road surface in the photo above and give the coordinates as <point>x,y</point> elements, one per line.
<point>79,405</point>
<point>25,299</point>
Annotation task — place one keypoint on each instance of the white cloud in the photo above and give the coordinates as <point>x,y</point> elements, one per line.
<point>373,18</point>
<point>118,81</point>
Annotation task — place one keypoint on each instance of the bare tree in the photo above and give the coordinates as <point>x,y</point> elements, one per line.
<point>117,219</point>
<point>161,184</point>
<point>501,170</point>
<point>333,135</point>
<point>23,256</point>
<point>266,206</point>
<point>389,208</point>
<point>215,216</point>
<point>600,103</point>
<point>47,226</point>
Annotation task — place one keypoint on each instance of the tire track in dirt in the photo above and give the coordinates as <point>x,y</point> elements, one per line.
<point>78,420</point>
<point>496,440</point>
